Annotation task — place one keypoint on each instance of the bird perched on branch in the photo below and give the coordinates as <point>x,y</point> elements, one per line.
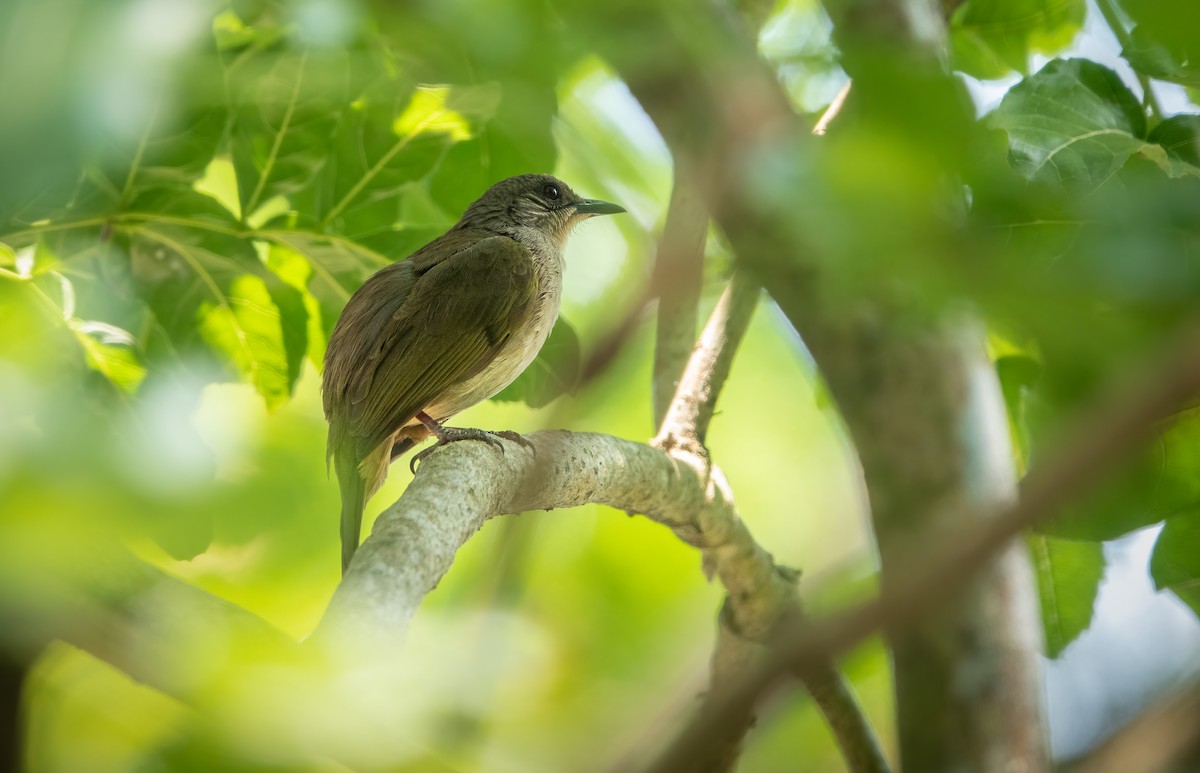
<point>447,328</point>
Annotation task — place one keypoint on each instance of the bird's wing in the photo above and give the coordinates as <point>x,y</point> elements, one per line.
<point>451,324</point>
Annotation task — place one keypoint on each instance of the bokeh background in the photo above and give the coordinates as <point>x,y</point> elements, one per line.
<point>192,189</point>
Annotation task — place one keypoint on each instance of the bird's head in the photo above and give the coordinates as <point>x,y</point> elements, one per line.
<point>536,202</point>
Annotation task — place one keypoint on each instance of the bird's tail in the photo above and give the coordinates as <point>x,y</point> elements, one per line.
<point>354,501</point>
<point>359,481</point>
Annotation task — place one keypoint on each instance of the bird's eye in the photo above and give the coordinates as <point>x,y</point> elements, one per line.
<point>551,192</point>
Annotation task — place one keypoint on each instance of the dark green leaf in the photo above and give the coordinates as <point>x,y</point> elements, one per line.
<point>1162,483</point>
<point>554,372</point>
<point>1164,43</point>
<point>1073,124</point>
<point>174,140</point>
<point>1175,563</point>
<point>991,38</point>
<point>286,112</point>
<point>1069,575</point>
<point>1180,135</point>
<point>1151,58</point>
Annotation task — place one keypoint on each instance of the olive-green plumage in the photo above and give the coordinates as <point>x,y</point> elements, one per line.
<point>447,328</point>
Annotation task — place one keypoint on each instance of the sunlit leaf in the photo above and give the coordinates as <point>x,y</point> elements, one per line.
<point>1175,563</point>
<point>110,351</point>
<point>429,111</point>
<point>243,324</point>
<point>381,147</point>
<point>991,38</point>
<point>1018,373</point>
<point>1069,575</point>
<point>336,267</point>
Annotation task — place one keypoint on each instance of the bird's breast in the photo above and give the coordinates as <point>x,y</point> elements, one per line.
<point>515,355</point>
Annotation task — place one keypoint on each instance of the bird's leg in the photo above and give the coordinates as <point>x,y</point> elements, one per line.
<point>447,435</point>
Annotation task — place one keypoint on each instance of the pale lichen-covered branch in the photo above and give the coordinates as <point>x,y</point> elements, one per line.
<point>458,488</point>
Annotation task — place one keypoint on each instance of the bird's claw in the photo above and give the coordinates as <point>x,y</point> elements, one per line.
<point>517,438</point>
<point>454,434</point>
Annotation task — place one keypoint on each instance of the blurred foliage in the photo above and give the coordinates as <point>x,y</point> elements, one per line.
<point>1069,575</point>
<point>194,189</point>
<point>1175,564</point>
<point>1162,41</point>
<point>991,38</point>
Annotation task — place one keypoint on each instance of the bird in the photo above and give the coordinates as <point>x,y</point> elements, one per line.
<point>450,326</point>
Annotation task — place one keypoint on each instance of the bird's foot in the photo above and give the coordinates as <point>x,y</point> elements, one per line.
<point>447,435</point>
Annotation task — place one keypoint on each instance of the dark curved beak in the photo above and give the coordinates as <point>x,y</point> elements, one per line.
<point>597,207</point>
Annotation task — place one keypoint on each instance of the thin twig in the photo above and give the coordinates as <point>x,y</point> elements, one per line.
<point>1107,434</point>
<point>687,418</point>
<point>832,111</point>
<point>677,277</point>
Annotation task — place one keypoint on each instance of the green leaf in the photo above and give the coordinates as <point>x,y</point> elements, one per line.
<point>991,38</point>
<point>207,287</point>
<point>1162,483</point>
<point>554,372</point>
<point>241,323</point>
<point>175,140</point>
<point>1152,58</point>
<point>1175,563</point>
<point>380,148</point>
<point>1164,43</point>
<point>1018,373</point>
<point>1073,124</point>
<point>110,351</point>
<point>336,267</point>
<point>284,118</point>
<point>1068,575</point>
<point>1180,136</point>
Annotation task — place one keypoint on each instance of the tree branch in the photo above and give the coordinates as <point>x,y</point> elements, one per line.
<point>462,485</point>
<point>749,615</point>
<point>1164,737</point>
<point>682,430</point>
